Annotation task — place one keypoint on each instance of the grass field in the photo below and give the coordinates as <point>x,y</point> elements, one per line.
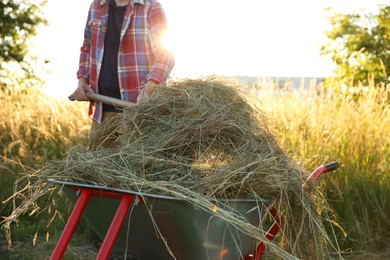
<point>315,127</point>
<point>350,126</point>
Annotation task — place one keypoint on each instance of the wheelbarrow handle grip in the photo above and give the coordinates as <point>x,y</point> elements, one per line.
<point>331,166</point>
<point>322,169</point>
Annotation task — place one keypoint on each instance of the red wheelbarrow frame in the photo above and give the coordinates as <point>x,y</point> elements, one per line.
<point>126,200</point>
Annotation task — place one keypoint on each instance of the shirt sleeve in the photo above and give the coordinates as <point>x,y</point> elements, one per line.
<point>83,71</point>
<point>164,58</point>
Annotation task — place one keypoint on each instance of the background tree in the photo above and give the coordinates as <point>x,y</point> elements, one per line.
<point>19,21</point>
<point>359,45</point>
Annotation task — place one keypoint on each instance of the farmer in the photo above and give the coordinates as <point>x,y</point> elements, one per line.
<point>122,56</point>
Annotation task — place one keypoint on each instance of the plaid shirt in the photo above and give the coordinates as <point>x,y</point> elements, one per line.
<point>141,57</point>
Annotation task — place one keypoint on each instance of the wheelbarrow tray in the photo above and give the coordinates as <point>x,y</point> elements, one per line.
<point>159,225</point>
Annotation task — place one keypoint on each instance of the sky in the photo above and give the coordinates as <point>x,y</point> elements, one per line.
<point>279,38</point>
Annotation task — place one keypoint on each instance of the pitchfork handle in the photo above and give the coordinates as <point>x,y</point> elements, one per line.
<point>106,100</point>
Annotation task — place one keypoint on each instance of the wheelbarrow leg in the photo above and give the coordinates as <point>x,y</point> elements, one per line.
<point>70,226</point>
<point>269,235</point>
<point>112,233</point>
<point>115,226</point>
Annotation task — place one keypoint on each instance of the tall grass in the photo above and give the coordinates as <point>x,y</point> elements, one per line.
<point>34,128</point>
<point>315,127</point>
<point>351,126</point>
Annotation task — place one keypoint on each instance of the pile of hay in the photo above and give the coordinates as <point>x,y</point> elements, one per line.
<point>198,140</point>
<point>200,134</point>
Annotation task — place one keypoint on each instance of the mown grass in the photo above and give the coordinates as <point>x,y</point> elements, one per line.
<point>315,127</point>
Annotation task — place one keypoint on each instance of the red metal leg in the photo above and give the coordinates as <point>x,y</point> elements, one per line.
<point>270,233</point>
<point>112,233</point>
<point>115,226</point>
<point>70,226</point>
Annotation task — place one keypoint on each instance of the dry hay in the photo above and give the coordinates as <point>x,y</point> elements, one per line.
<point>198,140</point>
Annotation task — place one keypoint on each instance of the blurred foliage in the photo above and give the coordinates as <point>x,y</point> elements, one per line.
<point>359,45</point>
<point>19,21</point>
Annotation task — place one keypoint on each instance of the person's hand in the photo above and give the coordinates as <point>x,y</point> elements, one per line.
<point>146,91</point>
<point>80,94</point>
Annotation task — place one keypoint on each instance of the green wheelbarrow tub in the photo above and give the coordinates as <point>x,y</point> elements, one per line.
<point>162,222</point>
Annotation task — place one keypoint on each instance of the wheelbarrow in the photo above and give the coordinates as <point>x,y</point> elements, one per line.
<point>153,227</point>
<point>149,226</point>
<point>157,227</point>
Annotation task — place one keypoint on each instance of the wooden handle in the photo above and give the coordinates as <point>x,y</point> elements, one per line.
<point>107,100</point>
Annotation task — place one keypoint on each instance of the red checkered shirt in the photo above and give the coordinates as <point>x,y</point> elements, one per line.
<point>141,56</point>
